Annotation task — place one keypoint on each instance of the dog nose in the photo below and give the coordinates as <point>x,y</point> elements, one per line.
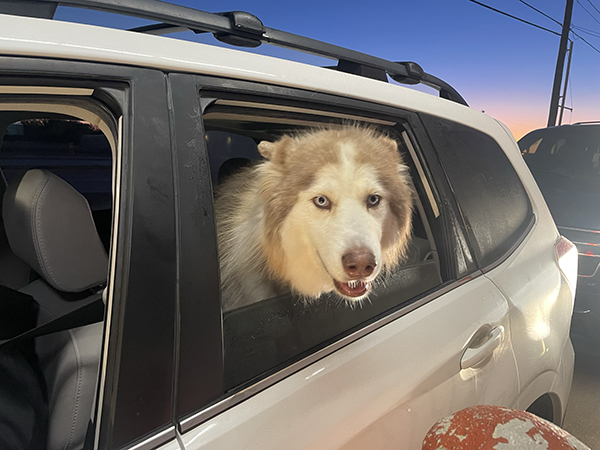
<point>359,263</point>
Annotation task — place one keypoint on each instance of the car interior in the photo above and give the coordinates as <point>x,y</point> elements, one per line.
<point>51,249</point>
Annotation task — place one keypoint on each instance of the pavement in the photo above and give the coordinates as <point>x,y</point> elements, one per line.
<point>582,418</point>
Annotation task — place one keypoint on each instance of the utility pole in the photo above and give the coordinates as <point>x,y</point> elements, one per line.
<point>560,64</point>
<point>563,97</point>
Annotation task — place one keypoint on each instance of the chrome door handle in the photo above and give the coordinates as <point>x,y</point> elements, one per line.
<point>474,355</point>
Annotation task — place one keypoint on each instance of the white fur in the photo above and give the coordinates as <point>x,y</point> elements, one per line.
<point>313,240</point>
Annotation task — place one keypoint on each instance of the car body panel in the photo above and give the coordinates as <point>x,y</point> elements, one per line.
<point>366,389</point>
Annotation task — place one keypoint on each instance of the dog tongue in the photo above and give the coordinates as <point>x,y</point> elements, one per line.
<point>353,289</point>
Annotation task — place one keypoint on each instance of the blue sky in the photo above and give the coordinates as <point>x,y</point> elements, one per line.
<point>499,65</point>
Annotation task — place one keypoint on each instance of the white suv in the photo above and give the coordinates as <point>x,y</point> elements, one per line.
<point>143,127</point>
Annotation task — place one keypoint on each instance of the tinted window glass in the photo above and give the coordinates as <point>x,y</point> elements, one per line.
<point>494,203</point>
<point>568,152</point>
<point>75,150</point>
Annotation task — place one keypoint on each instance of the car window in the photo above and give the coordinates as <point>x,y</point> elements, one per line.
<point>75,150</point>
<point>70,144</point>
<point>494,203</point>
<point>271,334</point>
<point>570,152</point>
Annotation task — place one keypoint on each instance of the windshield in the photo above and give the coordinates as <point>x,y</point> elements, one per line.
<point>572,151</point>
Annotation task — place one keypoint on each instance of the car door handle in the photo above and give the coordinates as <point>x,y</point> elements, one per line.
<point>474,355</point>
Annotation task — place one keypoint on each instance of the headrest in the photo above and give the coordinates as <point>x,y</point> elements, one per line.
<point>49,226</point>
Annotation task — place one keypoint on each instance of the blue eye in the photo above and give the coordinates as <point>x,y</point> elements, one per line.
<point>322,202</point>
<point>373,200</point>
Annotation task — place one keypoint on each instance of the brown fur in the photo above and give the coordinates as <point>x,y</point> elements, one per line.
<point>270,190</point>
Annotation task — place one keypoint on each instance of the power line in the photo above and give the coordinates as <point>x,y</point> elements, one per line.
<point>542,13</point>
<point>587,31</point>
<point>593,6</point>
<point>535,25</point>
<point>585,41</point>
<point>514,17</point>
<point>591,15</point>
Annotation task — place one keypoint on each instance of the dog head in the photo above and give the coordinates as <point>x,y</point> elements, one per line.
<point>337,212</point>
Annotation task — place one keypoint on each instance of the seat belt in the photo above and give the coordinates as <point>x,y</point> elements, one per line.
<point>90,312</point>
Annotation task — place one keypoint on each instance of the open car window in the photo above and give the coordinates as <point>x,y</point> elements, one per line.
<point>263,337</point>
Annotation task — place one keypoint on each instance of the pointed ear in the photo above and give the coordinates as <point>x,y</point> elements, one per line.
<point>267,149</point>
<point>275,151</point>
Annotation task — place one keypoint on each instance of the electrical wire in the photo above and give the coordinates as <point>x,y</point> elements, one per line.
<point>514,17</point>
<point>533,24</point>
<point>585,41</point>
<point>542,13</point>
<point>593,6</point>
<point>591,15</point>
<point>587,31</point>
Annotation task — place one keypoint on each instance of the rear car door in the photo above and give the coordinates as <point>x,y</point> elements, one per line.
<point>435,340</point>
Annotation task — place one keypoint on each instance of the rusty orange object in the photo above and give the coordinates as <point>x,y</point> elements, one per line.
<point>487,427</point>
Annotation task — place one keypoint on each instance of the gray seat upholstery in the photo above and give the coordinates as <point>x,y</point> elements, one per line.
<point>49,226</point>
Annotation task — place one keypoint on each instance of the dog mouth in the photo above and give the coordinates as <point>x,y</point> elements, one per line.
<point>353,289</point>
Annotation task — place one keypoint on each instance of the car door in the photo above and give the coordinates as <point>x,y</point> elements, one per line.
<point>442,342</point>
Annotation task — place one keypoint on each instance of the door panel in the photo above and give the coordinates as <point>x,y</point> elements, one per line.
<point>382,391</point>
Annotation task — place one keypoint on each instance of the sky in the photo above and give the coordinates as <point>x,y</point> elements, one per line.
<point>500,65</point>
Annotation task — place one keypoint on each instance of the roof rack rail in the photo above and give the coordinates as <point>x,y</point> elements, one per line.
<point>589,122</point>
<point>241,29</point>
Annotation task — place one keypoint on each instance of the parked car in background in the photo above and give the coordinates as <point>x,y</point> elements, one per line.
<point>143,126</point>
<point>565,161</point>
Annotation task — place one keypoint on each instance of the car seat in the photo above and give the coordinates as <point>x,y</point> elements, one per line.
<point>49,226</point>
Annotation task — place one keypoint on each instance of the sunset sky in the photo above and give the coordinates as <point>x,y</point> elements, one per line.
<point>500,65</point>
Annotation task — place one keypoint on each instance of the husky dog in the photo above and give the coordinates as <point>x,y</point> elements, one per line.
<point>329,210</point>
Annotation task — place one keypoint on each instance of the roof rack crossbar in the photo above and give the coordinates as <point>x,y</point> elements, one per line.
<point>244,29</point>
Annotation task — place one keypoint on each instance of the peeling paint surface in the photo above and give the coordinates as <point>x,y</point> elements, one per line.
<point>488,427</point>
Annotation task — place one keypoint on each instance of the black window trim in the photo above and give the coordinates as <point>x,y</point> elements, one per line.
<point>209,88</point>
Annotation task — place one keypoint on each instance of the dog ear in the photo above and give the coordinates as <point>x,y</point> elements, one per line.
<point>267,149</point>
<point>275,151</point>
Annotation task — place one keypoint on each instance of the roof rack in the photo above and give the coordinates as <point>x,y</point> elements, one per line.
<point>241,29</point>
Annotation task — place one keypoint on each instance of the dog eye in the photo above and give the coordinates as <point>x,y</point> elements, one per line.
<point>373,200</point>
<point>322,202</point>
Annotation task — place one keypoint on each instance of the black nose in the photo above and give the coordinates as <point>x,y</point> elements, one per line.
<point>359,263</point>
